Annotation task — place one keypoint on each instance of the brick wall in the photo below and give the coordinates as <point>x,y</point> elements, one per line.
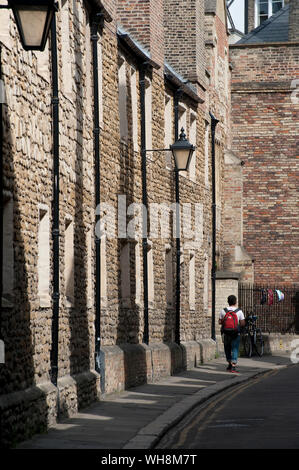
<point>184,37</point>
<point>144,21</point>
<point>264,123</point>
<point>218,102</point>
<point>294,20</point>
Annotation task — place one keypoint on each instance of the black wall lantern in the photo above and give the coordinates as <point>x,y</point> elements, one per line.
<point>33,19</point>
<point>182,152</point>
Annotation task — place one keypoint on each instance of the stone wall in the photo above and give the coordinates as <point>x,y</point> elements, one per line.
<point>28,178</point>
<point>127,365</point>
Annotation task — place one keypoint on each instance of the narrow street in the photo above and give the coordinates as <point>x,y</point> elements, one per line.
<point>261,414</point>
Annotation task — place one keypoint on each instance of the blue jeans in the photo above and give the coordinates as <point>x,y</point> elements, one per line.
<point>231,348</point>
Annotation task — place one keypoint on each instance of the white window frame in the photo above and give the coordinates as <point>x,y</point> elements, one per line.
<point>168,130</point>
<point>270,10</point>
<point>133,84</point>
<point>193,139</point>
<point>192,283</point>
<point>69,261</point>
<point>125,274</point>
<point>151,278</point>
<point>44,256</point>
<point>183,124</point>
<point>122,99</point>
<point>66,75</point>
<point>169,276</point>
<point>148,116</point>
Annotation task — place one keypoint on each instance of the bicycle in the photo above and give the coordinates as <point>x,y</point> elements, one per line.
<point>252,336</point>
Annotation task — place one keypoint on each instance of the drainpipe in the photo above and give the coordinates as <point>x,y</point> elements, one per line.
<point>55,208</point>
<point>1,194</point>
<point>246,16</point>
<point>144,202</point>
<point>177,95</point>
<point>97,22</point>
<point>214,123</point>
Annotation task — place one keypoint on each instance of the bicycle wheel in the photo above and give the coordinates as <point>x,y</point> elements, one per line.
<point>259,343</point>
<point>247,344</point>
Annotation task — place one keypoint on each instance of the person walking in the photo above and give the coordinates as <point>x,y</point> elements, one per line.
<point>231,320</point>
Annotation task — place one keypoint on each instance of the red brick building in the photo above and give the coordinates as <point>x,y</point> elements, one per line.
<point>265,111</point>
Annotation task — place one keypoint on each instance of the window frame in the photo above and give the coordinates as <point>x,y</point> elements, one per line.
<point>270,9</point>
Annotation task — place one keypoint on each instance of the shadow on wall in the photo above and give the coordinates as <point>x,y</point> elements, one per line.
<point>21,414</point>
<point>83,382</point>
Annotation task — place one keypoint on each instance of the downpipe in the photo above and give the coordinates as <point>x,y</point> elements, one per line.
<point>214,123</point>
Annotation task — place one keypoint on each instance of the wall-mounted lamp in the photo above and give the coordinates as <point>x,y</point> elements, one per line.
<point>33,19</point>
<point>182,152</point>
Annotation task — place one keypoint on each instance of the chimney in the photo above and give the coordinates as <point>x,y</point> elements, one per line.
<point>184,38</point>
<point>143,20</point>
<point>294,20</point>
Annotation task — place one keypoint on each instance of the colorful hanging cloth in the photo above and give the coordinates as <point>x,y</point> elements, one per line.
<point>270,297</point>
<point>280,295</point>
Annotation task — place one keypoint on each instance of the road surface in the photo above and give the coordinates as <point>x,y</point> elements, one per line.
<point>260,414</point>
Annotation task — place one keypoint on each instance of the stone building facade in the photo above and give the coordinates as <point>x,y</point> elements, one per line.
<point>138,47</point>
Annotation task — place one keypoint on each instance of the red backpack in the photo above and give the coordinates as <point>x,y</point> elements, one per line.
<point>230,323</point>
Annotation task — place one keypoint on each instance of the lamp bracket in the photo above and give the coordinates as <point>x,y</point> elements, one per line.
<point>97,21</point>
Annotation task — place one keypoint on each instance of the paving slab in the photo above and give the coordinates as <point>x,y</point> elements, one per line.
<point>137,418</point>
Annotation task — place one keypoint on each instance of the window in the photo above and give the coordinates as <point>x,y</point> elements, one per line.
<point>88,58</point>
<point>192,139</point>
<point>183,124</point>
<point>134,109</point>
<point>150,267</point>
<point>137,274</point>
<point>89,92</point>
<point>125,278</point>
<point>206,285</point>
<point>207,150</point>
<point>44,257</point>
<point>69,262</point>
<point>218,184</point>
<point>267,8</point>
<point>122,99</point>
<point>169,275</point>
<point>66,76</point>
<point>103,252</point>
<point>276,6</point>
<point>168,130</point>
<point>89,268</point>
<point>6,20</point>
<point>192,281</point>
<point>148,115</point>
<point>8,250</point>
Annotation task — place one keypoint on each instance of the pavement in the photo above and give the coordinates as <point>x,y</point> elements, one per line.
<point>139,417</point>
